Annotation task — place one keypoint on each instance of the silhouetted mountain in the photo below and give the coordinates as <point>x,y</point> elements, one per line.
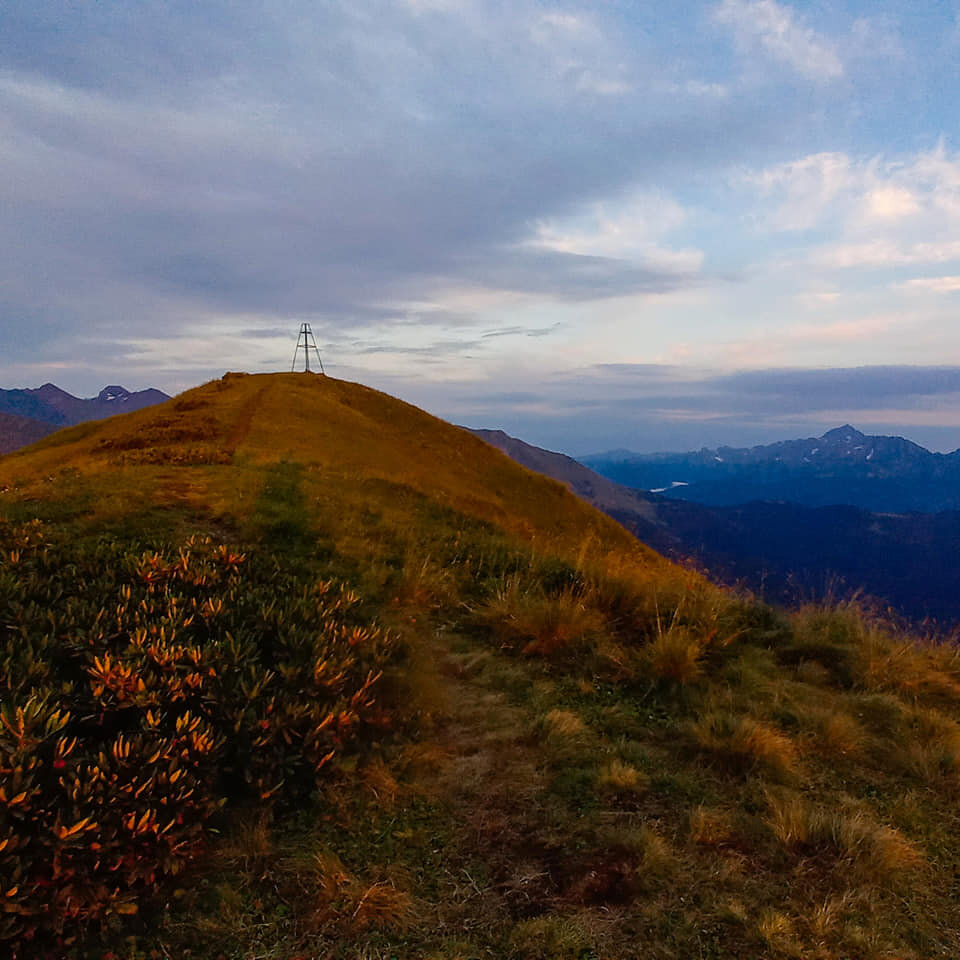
<point>844,466</point>
<point>51,405</point>
<point>784,551</point>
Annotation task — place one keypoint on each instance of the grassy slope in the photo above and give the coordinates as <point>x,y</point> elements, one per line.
<point>597,753</point>
<point>345,434</point>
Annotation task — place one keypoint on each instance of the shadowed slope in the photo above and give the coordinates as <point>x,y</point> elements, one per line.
<point>17,432</point>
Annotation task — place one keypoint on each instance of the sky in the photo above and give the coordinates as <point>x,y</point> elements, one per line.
<point>614,224</point>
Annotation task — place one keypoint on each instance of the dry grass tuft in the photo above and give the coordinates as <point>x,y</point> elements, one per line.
<point>425,585</point>
<point>382,906</point>
<point>892,854</point>
<point>377,777</point>
<point>825,919</point>
<point>932,752</point>
<point>838,733</point>
<point>249,848</point>
<point>790,819</point>
<point>777,930</point>
<point>619,777</point>
<point>346,902</point>
<point>881,853</point>
<point>675,655</point>
<point>710,828</point>
<point>747,744</point>
<point>657,858</point>
<point>539,623</point>
<point>563,723</point>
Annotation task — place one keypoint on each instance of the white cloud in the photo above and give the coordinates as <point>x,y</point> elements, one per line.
<point>628,229</point>
<point>891,202</point>
<point>887,253</point>
<point>843,331</point>
<point>775,29</point>
<point>936,284</point>
<point>882,212</point>
<point>579,52</point>
<point>803,190</point>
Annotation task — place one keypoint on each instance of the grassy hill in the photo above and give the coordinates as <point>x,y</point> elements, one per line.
<point>291,668</point>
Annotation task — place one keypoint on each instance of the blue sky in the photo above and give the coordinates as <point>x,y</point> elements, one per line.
<point>614,224</point>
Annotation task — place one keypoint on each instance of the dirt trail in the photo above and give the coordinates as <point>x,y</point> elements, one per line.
<point>491,779</point>
<point>241,427</point>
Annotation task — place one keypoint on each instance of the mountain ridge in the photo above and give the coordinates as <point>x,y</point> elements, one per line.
<point>51,404</point>
<point>843,466</point>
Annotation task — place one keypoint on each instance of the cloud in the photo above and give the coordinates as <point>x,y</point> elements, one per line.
<point>166,170</point>
<point>875,211</point>
<point>630,228</point>
<point>887,253</point>
<point>580,53</point>
<point>803,190</point>
<point>936,284</point>
<point>890,202</point>
<point>775,30</point>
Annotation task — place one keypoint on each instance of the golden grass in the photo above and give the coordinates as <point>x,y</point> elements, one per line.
<point>900,665</point>
<point>540,624</point>
<point>674,655</point>
<point>777,930</point>
<point>883,659</point>
<point>347,902</point>
<point>347,431</point>
<point>621,777</point>
<point>524,773</point>
<point>709,827</point>
<point>881,853</point>
<point>931,749</point>
<point>838,733</point>
<point>563,723</point>
<point>379,780</point>
<point>747,744</point>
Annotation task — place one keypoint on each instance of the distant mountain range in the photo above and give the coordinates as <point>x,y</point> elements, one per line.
<point>844,466</point>
<point>785,552</point>
<point>29,415</point>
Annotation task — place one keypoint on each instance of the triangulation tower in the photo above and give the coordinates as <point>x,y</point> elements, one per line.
<point>306,343</point>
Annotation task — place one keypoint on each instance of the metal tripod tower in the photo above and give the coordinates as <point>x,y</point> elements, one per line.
<point>306,343</point>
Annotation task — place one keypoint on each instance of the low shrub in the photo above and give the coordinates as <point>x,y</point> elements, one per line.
<point>140,693</point>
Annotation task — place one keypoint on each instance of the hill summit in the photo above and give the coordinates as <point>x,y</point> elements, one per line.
<point>292,668</point>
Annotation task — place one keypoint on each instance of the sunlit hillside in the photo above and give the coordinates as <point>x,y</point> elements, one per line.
<point>292,669</point>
